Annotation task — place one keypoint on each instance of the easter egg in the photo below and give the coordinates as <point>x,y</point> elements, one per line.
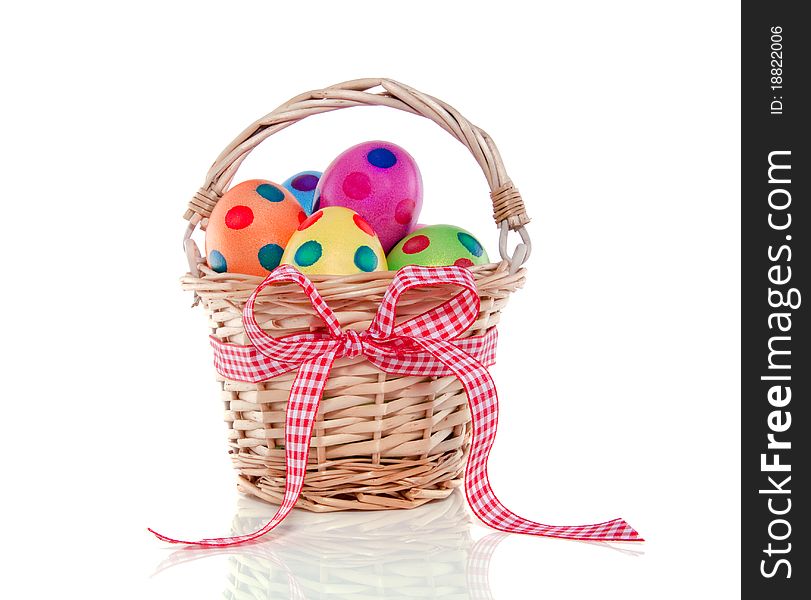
<point>249,228</point>
<point>335,241</point>
<point>437,246</point>
<point>302,186</point>
<point>381,182</point>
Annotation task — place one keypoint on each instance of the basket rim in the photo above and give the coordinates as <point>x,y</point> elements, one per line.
<point>210,284</point>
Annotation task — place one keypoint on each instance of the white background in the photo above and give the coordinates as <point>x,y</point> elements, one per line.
<point>619,361</point>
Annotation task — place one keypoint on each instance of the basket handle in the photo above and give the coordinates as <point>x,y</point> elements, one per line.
<point>508,207</point>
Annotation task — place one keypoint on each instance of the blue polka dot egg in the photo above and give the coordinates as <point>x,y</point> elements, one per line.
<point>335,241</point>
<point>302,186</point>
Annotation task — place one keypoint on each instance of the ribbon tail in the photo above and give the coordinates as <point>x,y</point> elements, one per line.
<point>302,407</point>
<point>483,399</point>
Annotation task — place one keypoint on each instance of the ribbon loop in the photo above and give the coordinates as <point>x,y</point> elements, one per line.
<point>447,321</point>
<point>295,348</point>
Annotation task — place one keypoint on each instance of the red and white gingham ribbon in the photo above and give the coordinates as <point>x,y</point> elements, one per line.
<point>424,345</point>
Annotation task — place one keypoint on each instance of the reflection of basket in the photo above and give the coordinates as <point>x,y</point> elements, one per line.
<point>425,553</point>
<point>380,441</point>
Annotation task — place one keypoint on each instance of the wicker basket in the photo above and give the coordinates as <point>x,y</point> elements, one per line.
<point>380,441</point>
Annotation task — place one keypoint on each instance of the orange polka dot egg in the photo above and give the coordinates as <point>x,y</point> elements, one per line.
<point>335,241</point>
<point>250,227</point>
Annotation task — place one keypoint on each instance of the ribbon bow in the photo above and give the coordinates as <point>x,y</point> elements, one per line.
<point>426,345</point>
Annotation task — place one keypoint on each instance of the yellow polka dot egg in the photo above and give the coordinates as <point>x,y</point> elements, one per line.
<point>335,241</point>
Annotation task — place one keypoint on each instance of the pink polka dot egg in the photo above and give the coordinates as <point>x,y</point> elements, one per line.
<point>250,226</point>
<point>438,246</point>
<point>335,241</point>
<point>381,182</point>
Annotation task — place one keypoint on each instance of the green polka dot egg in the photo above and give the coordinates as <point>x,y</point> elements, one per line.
<point>335,241</point>
<point>438,246</point>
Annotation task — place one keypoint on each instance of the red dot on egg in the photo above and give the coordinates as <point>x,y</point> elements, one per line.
<point>302,216</point>
<point>463,262</point>
<point>310,220</point>
<point>404,211</point>
<point>363,225</point>
<point>357,185</point>
<point>238,217</point>
<point>416,244</point>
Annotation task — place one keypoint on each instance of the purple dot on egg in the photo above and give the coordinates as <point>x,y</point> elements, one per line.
<point>305,183</point>
<point>381,157</point>
<point>357,186</point>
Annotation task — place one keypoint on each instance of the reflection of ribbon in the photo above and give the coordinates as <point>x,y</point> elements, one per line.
<point>426,345</point>
<point>427,552</point>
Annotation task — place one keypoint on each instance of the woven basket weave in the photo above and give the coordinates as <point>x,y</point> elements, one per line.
<point>380,441</point>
